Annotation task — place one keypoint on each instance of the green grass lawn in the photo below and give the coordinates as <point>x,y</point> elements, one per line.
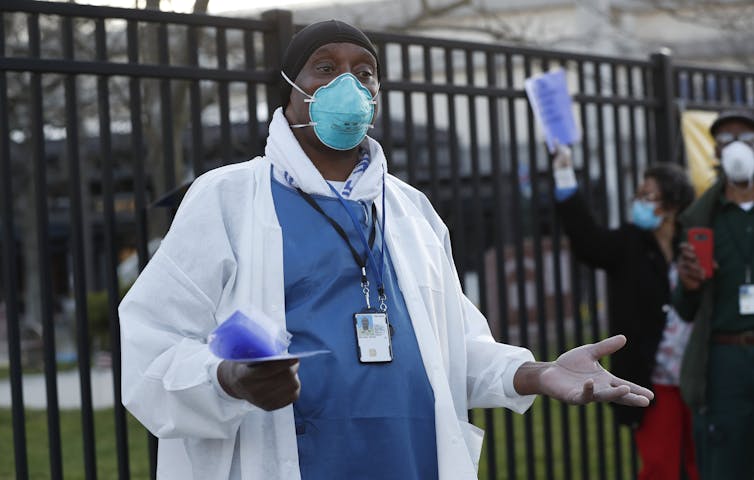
<point>584,457</point>
<point>107,467</point>
<point>72,446</point>
<point>537,419</point>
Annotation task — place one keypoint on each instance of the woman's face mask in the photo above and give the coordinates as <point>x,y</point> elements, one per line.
<point>340,112</point>
<point>643,215</point>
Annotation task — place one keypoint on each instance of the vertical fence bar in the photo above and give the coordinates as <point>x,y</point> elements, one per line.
<point>618,142</point>
<point>560,330</point>
<point>633,151</point>
<point>9,260</point>
<point>166,111</point>
<point>632,112</point>
<point>457,214</point>
<point>736,93</point>
<point>275,42</point>
<point>510,439</point>
<point>386,120</point>
<point>576,271</point>
<point>111,262</point>
<point>43,250</point>
<point>685,87</point>
<point>78,254</point>
<point>536,239</point>
<point>195,103</point>
<point>523,314</point>
<point>742,93</point>
<point>711,87</point>
<point>111,280</point>
<point>222,87</point>
<point>650,120</point>
<point>138,153</point>
<point>456,211</point>
<point>250,63</point>
<point>665,117</point>
<point>476,240</point>
<point>431,136</point>
<point>593,295</point>
<point>622,194</point>
<point>620,177</point>
<point>482,241</point>
<point>724,92</point>
<point>520,244</point>
<point>408,110</point>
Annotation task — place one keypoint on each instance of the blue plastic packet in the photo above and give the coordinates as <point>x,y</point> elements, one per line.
<point>242,338</point>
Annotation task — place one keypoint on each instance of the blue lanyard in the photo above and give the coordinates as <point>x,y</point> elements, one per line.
<point>378,268</point>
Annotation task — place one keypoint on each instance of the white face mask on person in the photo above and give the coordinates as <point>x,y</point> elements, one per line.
<point>737,160</point>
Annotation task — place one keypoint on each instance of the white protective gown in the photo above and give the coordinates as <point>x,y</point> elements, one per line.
<point>224,252</point>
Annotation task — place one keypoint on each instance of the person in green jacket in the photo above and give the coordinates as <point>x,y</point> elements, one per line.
<point>717,375</point>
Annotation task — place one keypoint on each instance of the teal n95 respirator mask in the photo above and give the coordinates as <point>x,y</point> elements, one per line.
<point>340,112</point>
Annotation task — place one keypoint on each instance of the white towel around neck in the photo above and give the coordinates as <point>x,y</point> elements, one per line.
<point>292,167</point>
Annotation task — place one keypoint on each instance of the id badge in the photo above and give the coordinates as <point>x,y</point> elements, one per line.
<point>746,299</point>
<point>373,337</point>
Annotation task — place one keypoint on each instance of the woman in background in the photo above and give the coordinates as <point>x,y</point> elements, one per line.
<point>638,259</point>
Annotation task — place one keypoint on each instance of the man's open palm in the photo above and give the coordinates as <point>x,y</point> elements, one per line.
<point>576,377</point>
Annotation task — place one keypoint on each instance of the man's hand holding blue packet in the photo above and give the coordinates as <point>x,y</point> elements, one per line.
<point>252,339</point>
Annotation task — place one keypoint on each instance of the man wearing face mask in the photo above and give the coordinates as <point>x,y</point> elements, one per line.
<point>319,236</point>
<point>717,377</point>
<point>638,258</point>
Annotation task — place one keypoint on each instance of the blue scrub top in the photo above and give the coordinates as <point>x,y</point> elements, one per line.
<point>353,420</point>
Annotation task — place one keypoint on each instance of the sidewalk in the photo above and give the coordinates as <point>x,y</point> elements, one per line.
<point>69,393</point>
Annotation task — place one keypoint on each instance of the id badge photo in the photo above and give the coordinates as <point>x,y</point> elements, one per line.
<point>373,337</point>
<point>746,299</point>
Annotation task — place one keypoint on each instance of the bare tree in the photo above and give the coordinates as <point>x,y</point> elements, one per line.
<point>438,15</point>
<point>155,142</point>
<point>54,120</point>
<point>734,20</point>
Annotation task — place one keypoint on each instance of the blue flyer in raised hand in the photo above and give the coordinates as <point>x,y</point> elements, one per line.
<point>252,339</point>
<point>552,106</point>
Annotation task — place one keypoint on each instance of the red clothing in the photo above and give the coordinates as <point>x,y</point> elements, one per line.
<point>664,437</point>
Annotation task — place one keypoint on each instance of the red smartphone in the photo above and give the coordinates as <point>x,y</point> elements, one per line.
<point>701,238</point>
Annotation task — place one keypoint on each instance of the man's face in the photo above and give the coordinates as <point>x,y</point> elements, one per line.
<point>325,64</point>
<point>730,131</point>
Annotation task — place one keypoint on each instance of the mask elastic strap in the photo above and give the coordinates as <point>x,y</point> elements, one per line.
<point>308,97</point>
<point>308,100</point>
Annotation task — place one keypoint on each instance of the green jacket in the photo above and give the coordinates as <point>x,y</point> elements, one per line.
<point>698,306</point>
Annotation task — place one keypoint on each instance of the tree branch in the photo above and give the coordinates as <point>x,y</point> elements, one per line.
<point>428,12</point>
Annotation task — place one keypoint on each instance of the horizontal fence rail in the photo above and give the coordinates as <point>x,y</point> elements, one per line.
<point>108,114</point>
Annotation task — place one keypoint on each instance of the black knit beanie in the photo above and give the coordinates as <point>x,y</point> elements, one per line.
<point>309,39</point>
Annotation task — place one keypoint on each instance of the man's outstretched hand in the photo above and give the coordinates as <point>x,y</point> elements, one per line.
<point>576,377</point>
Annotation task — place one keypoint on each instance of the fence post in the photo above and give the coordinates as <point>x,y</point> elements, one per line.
<point>666,123</point>
<point>275,42</point>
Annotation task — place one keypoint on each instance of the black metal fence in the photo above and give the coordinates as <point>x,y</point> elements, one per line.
<point>106,113</point>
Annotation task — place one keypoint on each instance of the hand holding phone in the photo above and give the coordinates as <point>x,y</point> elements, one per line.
<point>702,240</point>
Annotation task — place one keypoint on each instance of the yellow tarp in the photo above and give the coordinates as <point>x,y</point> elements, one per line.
<point>700,148</point>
